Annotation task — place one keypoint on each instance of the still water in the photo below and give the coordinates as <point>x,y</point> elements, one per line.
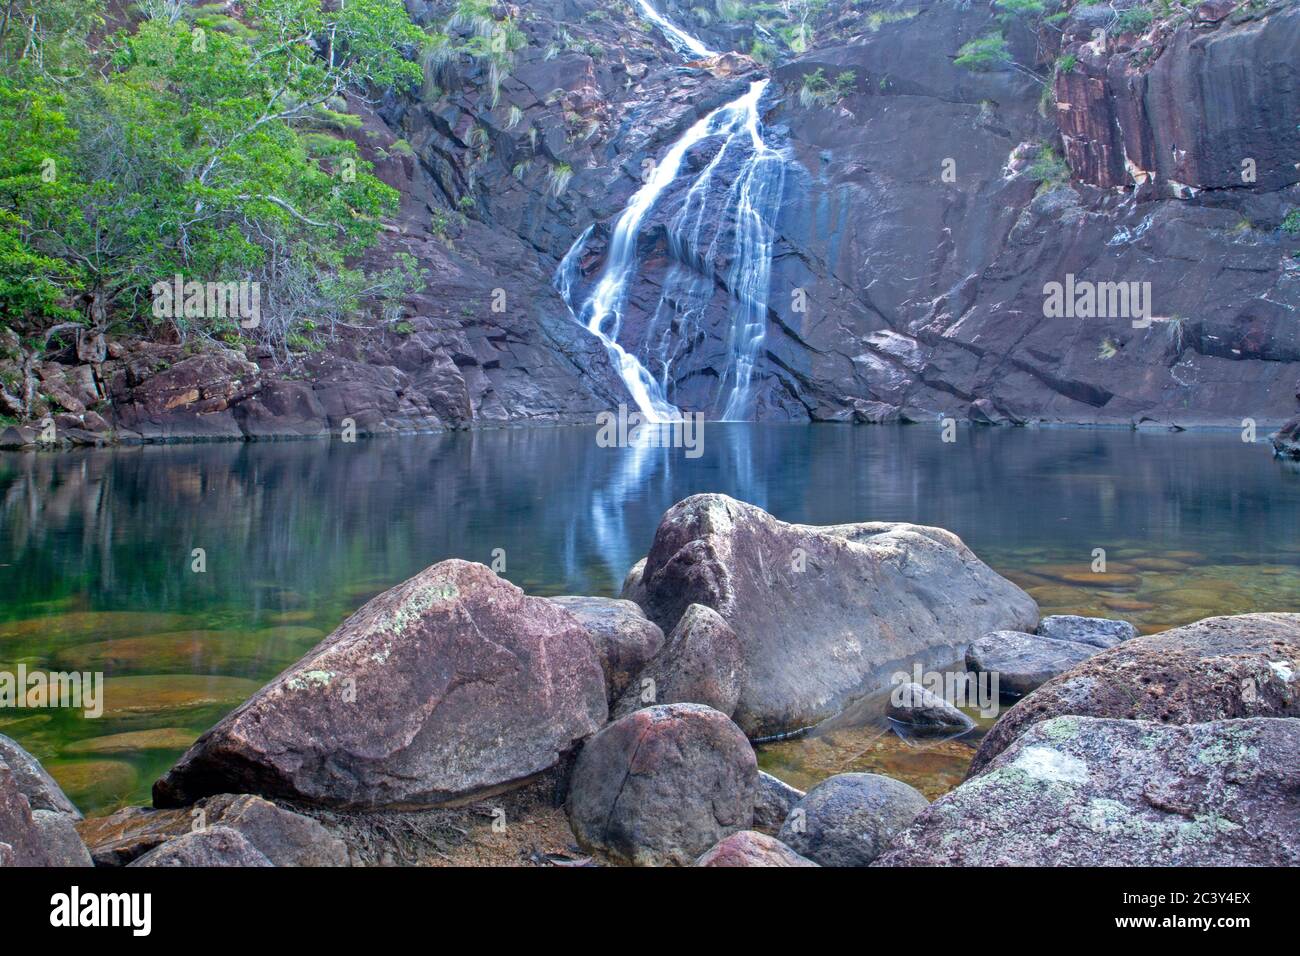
<point>97,552</point>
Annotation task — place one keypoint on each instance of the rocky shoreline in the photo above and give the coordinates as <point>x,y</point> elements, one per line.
<point>456,720</point>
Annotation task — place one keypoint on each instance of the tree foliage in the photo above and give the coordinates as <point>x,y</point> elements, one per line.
<point>200,150</point>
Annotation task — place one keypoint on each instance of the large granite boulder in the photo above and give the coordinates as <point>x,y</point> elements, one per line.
<point>214,846</point>
<point>851,818</point>
<point>1024,661</point>
<point>41,790</point>
<point>285,837</point>
<point>1221,667</point>
<point>662,785</point>
<point>22,842</point>
<point>60,840</point>
<point>28,836</point>
<point>452,684</point>
<point>624,638</point>
<point>848,603</point>
<point>750,848</point>
<point>1089,791</point>
<point>702,663</point>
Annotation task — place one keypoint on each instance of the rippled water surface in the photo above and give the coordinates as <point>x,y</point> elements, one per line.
<point>96,545</point>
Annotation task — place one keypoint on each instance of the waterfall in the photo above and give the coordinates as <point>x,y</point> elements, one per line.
<point>679,39</point>
<point>749,206</point>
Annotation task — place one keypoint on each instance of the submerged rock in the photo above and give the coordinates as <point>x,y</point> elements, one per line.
<point>1221,667</point>
<point>40,789</point>
<point>214,846</point>
<point>773,801</point>
<point>624,638</point>
<point>1087,791</point>
<point>662,785</point>
<point>1097,631</point>
<point>750,848</point>
<point>924,712</point>
<point>1286,440</point>
<point>851,818</point>
<point>453,683</point>
<point>701,663</point>
<point>1024,661</point>
<point>846,601</point>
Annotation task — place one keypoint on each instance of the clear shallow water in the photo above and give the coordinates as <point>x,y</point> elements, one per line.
<point>95,552</point>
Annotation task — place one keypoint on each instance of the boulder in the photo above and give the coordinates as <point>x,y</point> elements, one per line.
<point>924,712</point>
<point>750,848</point>
<point>1091,791</point>
<point>662,785</point>
<point>1239,666</point>
<point>213,846</point>
<point>453,684</point>
<point>848,602</point>
<point>624,638</point>
<point>1098,631</point>
<point>59,838</point>
<point>1024,661</point>
<point>13,437</point>
<point>773,801</point>
<point>285,837</point>
<point>633,588</point>
<point>851,818</point>
<point>19,833</point>
<point>41,790</point>
<point>701,663</point>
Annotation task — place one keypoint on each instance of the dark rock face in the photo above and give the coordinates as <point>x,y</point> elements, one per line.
<point>407,703</point>
<point>1097,631</point>
<point>40,789</point>
<point>623,637</point>
<point>1024,661</point>
<point>750,848</point>
<point>701,663</point>
<point>192,398</point>
<point>851,818</point>
<point>1221,667</point>
<point>869,596</point>
<point>773,801</point>
<point>215,846</point>
<point>923,712</point>
<point>662,785</point>
<point>1085,791</point>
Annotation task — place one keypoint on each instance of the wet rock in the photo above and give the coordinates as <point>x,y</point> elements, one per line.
<point>624,638</point>
<point>1086,791</point>
<point>924,712</point>
<point>846,601</point>
<point>214,846</point>
<point>1221,667</point>
<point>1024,661</point>
<point>40,789</point>
<point>58,835</point>
<point>750,848</point>
<point>408,703</point>
<point>701,663</point>
<point>14,437</point>
<point>1097,631</point>
<point>1285,441</point>
<point>773,801</point>
<point>851,818</point>
<point>662,785</point>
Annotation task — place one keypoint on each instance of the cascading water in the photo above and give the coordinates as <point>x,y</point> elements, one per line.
<point>681,41</point>
<point>749,205</point>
